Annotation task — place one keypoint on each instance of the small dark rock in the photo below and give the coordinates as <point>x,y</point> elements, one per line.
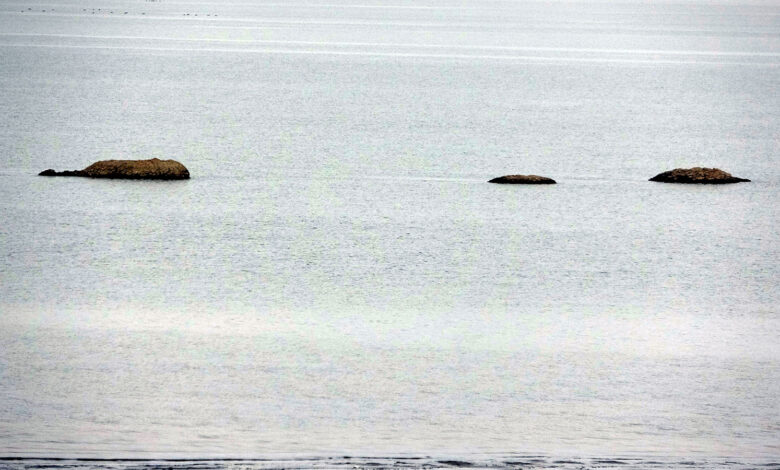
<point>522,179</point>
<point>51,172</point>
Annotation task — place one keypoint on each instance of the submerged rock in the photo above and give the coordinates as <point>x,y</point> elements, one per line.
<point>697,175</point>
<point>154,169</point>
<point>522,179</point>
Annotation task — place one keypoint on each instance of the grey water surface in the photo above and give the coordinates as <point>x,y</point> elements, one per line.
<point>338,279</point>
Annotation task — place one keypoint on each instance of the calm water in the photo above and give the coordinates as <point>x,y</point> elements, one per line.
<point>338,279</point>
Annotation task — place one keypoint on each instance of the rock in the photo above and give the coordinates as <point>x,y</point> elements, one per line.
<point>153,169</point>
<point>138,169</point>
<point>697,175</point>
<point>51,172</point>
<point>522,179</point>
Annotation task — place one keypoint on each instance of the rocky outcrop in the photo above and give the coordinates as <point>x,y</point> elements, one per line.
<point>522,179</point>
<point>697,175</point>
<point>154,169</point>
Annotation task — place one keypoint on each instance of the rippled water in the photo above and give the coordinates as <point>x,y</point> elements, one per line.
<point>510,461</point>
<point>338,279</point>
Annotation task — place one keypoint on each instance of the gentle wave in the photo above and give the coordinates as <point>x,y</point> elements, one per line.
<point>527,26</point>
<point>412,45</point>
<point>527,59</point>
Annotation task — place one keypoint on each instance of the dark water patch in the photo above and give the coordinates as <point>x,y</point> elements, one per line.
<point>52,466</point>
<point>183,466</point>
<point>146,461</point>
<point>525,462</point>
<point>424,463</point>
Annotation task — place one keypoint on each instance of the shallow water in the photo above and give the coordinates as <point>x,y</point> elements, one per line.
<point>338,279</point>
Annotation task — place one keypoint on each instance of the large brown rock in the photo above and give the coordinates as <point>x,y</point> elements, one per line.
<point>697,175</point>
<point>522,179</point>
<point>154,169</point>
